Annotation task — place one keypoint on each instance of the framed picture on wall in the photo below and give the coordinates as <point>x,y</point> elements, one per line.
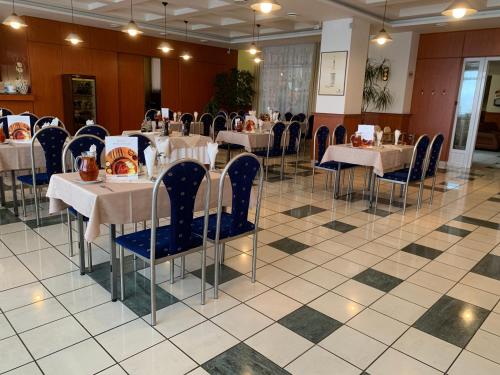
<point>332,71</point>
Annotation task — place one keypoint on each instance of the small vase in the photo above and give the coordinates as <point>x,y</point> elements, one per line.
<point>22,86</point>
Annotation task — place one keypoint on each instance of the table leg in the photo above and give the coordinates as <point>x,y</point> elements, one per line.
<point>14,192</point>
<point>228,153</point>
<point>371,184</point>
<point>81,243</point>
<point>113,263</point>
<point>2,191</point>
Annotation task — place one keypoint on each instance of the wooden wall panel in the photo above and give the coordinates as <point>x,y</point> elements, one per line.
<point>393,120</point>
<point>42,30</point>
<point>482,43</point>
<point>17,103</point>
<point>76,60</point>
<point>46,80</point>
<point>131,90</point>
<point>441,45</point>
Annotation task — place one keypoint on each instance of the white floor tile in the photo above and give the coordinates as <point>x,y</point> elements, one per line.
<point>393,362</point>
<point>212,306</point>
<point>378,326</point>
<point>470,363</point>
<point>84,298</point>
<point>273,304</point>
<point>23,295</point>
<point>272,276</point>
<point>14,354</point>
<point>358,292</point>
<point>336,307</point>
<point>14,274</point>
<point>24,241</point>
<point>399,309</point>
<point>104,317</point>
<point>486,345</point>
<point>242,287</point>
<point>242,321</point>
<point>294,265</point>
<point>318,361</point>
<point>36,314</point>
<point>300,290</point>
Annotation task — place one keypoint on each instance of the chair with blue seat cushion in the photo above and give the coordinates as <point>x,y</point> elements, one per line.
<point>233,115</point>
<point>52,140</point>
<point>222,113</point>
<point>222,226</point>
<point>44,120</point>
<point>206,120</point>
<point>186,118</point>
<point>234,119</point>
<point>5,112</point>
<point>143,143</point>
<point>150,114</point>
<point>94,129</point>
<point>414,173</point>
<point>288,116</point>
<point>78,145</point>
<point>293,134</point>
<point>433,157</point>
<point>300,117</point>
<point>182,181</point>
<point>275,147</point>
<point>218,124</point>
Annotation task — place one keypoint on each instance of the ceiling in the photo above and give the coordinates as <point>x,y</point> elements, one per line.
<point>230,22</point>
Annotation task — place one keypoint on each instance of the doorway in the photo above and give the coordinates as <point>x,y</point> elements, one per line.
<point>476,133</point>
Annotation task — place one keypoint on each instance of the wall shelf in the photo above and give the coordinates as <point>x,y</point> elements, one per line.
<point>17,98</point>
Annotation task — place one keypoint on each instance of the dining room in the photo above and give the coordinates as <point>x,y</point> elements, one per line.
<point>249,187</point>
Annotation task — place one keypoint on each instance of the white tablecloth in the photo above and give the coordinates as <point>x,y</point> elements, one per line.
<point>17,156</point>
<point>119,202</point>
<point>382,159</point>
<point>250,141</point>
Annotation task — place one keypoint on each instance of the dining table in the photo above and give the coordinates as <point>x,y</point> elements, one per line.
<point>380,159</point>
<point>118,202</point>
<point>16,156</point>
<point>250,140</point>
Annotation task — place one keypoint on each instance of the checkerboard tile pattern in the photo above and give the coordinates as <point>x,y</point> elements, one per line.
<point>418,293</point>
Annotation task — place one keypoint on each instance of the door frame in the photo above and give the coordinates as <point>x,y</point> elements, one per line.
<point>470,147</point>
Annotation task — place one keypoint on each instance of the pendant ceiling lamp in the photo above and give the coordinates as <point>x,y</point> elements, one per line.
<point>131,27</point>
<point>459,9</point>
<point>72,37</point>
<point>382,36</point>
<point>186,56</point>
<point>265,6</point>
<point>253,47</point>
<point>164,46</point>
<point>14,20</point>
<point>257,58</point>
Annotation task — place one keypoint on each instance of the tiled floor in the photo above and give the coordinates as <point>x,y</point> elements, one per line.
<point>341,289</point>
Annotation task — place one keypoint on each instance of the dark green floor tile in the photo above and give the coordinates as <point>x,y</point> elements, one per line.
<point>496,200</point>
<point>7,217</point>
<point>377,212</point>
<point>378,280</point>
<point>339,226</point>
<point>479,222</point>
<point>304,211</point>
<point>452,320</point>
<point>310,324</point>
<point>422,251</point>
<point>489,266</point>
<point>50,220</point>
<point>452,230</point>
<point>242,360</point>
<point>288,245</point>
<point>225,274</point>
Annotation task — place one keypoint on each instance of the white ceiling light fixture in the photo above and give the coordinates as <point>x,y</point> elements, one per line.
<point>164,46</point>
<point>72,37</point>
<point>14,20</point>
<point>186,55</point>
<point>253,47</point>
<point>382,36</point>
<point>131,28</point>
<point>265,6</point>
<point>459,9</point>
<point>257,58</point>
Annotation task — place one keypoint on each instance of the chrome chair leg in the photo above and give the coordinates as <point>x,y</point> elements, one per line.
<point>432,190</point>
<point>312,187</point>
<point>37,209</point>
<point>172,270</point>
<point>377,190</point>
<point>203,273</point>
<point>222,253</point>
<point>70,233</point>
<point>183,267</point>
<point>122,278</point>
<point>254,258</point>
<point>23,200</point>
<point>152,277</point>
<point>405,196</point>
<point>393,187</point>
<point>217,247</point>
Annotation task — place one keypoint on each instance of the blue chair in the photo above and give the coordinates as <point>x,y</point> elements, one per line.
<point>143,143</point>
<point>52,140</point>
<point>403,177</point>
<point>301,117</point>
<point>274,147</point>
<point>288,116</point>
<point>233,115</point>
<point>233,121</point>
<point>222,226</point>
<point>186,118</point>
<point>44,119</point>
<point>222,113</point>
<point>166,243</point>
<point>433,157</point>
<point>206,120</point>
<point>76,147</point>
<point>33,120</point>
<point>5,112</point>
<point>293,134</point>
<point>151,114</point>
<point>218,124</point>
<point>97,130</point>
<point>321,141</point>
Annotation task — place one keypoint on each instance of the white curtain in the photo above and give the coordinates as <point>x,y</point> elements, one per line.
<point>285,77</point>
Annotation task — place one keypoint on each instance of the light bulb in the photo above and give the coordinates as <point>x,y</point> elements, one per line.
<point>266,7</point>
<point>459,12</point>
<point>186,57</point>
<point>165,49</point>
<point>15,25</point>
<point>74,41</point>
<point>73,38</point>
<point>132,32</point>
<point>252,50</point>
<point>257,60</point>
<point>381,41</point>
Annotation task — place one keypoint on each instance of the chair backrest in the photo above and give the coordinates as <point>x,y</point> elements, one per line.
<point>233,115</point>
<point>242,171</point>
<point>33,120</point>
<point>310,127</point>
<point>80,144</point>
<point>206,119</point>
<point>288,116</point>
<point>5,112</point>
<point>221,113</point>
<point>418,158</point>
<point>5,126</point>
<point>276,134</point>
<point>44,119</point>
<point>52,139</point>
<point>182,181</point>
<point>300,117</point>
<point>339,136</point>
<point>321,142</point>
<point>186,118</point>
<point>150,114</point>
<point>142,142</point>
<point>97,130</point>
<point>242,113</point>
<point>434,154</point>
<point>293,132</point>
<point>218,124</point>
<point>233,121</point>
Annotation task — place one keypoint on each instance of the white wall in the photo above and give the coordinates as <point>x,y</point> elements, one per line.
<point>402,56</point>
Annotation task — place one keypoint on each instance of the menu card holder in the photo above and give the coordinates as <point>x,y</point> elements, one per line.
<point>19,128</point>
<point>122,158</point>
